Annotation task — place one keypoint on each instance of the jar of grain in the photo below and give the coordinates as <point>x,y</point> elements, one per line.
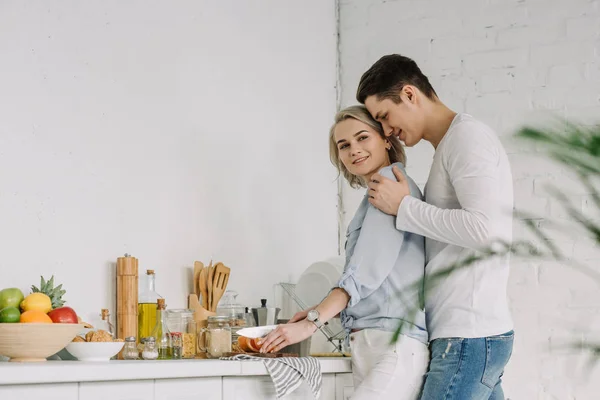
<point>217,337</point>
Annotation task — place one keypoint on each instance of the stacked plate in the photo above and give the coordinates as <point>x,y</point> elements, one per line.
<point>316,282</point>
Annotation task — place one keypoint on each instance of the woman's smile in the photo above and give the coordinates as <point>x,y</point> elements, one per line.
<point>360,161</point>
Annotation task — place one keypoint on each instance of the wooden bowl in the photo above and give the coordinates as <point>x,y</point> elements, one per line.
<point>35,341</point>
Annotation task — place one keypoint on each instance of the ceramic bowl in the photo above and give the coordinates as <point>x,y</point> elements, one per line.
<point>35,341</point>
<point>94,351</point>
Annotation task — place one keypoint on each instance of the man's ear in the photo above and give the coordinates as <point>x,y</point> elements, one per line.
<point>409,92</point>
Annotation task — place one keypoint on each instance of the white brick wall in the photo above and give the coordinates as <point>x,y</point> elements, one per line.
<point>507,62</point>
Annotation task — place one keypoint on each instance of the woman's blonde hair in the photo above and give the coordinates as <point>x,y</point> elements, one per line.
<point>360,113</point>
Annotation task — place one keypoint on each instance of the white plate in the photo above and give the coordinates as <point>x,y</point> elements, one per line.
<point>256,332</point>
<point>316,282</point>
<point>318,279</point>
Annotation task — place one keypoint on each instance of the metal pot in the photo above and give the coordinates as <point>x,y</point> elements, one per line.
<point>265,315</point>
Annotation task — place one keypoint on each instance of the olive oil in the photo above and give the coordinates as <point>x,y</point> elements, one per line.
<point>146,319</point>
<point>147,305</point>
<point>161,332</point>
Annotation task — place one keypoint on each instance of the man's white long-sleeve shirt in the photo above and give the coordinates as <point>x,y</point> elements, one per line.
<point>468,204</point>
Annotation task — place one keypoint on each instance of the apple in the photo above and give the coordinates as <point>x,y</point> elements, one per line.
<point>63,315</point>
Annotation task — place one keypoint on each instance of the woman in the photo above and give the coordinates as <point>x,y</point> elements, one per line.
<point>381,286</point>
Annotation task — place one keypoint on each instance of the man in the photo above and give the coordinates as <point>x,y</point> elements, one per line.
<point>468,205</point>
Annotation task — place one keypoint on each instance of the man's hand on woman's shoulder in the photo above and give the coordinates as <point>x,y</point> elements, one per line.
<point>387,194</point>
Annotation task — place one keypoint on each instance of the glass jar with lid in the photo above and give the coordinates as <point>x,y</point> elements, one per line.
<point>150,352</point>
<point>130,351</point>
<point>229,307</point>
<point>182,321</point>
<point>217,337</point>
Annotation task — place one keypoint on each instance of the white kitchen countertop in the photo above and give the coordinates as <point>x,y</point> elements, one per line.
<point>79,371</point>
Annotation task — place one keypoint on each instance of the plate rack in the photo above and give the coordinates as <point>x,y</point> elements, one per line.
<point>336,339</point>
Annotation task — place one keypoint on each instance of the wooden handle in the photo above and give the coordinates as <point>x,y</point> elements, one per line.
<point>209,282</point>
<point>203,284</point>
<point>198,266</point>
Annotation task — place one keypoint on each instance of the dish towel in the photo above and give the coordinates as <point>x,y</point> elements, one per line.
<point>288,373</point>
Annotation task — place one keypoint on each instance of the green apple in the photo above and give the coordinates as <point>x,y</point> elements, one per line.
<point>11,297</point>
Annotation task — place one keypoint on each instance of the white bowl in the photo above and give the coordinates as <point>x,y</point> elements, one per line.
<point>94,351</point>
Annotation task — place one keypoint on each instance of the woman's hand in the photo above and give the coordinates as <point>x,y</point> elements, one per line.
<point>286,334</point>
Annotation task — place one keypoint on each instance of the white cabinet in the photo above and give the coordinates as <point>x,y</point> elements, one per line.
<point>261,388</point>
<point>188,389</point>
<point>344,386</point>
<point>54,391</point>
<point>120,390</point>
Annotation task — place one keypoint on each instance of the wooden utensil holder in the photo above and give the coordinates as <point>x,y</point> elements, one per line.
<point>201,315</point>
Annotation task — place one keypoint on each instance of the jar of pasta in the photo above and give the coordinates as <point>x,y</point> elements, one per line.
<point>182,323</point>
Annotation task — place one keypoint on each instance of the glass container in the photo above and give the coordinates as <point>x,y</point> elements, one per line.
<point>104,323</point>
<point>182,321</point>
<point>160,333</point>
<point>150,352</point>
<point>130,351</point>
<point>229,307</point>
<point>217,337</point>
<point>147,305</point>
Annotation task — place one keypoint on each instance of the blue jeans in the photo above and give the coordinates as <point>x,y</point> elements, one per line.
<point>467,369</point>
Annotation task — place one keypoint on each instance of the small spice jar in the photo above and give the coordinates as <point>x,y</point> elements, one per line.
<point>150,352</point>
<point>217,337</point>
<point>176,345</point>
<point>130,351</point>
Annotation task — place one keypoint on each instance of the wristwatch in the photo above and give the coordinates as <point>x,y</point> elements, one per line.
<point>313,316</point>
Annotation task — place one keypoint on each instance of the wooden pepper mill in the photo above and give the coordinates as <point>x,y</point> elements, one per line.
<point>127,296</point>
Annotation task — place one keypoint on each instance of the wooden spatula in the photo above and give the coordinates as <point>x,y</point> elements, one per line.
<point>198,266</point>
<point>203,285</point>
<point>220,283</point>
<point>209,284</point>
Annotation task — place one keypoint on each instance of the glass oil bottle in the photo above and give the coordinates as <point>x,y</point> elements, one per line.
<point>161,333</point>
<point>147,306</point>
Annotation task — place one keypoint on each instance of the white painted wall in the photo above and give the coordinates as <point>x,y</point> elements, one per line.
<point>169,130</point>
<point>505,61</point>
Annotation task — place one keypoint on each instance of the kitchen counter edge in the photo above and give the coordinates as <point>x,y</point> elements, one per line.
<point>81,371</point>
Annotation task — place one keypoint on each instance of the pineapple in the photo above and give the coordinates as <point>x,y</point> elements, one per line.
<point>55,293</point>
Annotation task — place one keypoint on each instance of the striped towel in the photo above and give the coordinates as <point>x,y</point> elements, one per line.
<point>287,373</point>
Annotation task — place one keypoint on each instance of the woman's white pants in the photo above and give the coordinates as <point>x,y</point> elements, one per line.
<point>384,371</point>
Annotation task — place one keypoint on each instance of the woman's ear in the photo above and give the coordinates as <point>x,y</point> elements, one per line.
<point>388,145</point>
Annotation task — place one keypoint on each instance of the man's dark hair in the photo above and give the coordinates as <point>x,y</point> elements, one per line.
<point>386,78</point>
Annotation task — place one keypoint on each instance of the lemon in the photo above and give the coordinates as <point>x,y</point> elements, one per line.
<point>37,302</point>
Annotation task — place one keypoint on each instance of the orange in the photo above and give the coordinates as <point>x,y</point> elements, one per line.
<point>35,316</point>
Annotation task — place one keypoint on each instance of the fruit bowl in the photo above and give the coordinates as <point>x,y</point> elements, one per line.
<point>35,341</point>
<point>94,351</point>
